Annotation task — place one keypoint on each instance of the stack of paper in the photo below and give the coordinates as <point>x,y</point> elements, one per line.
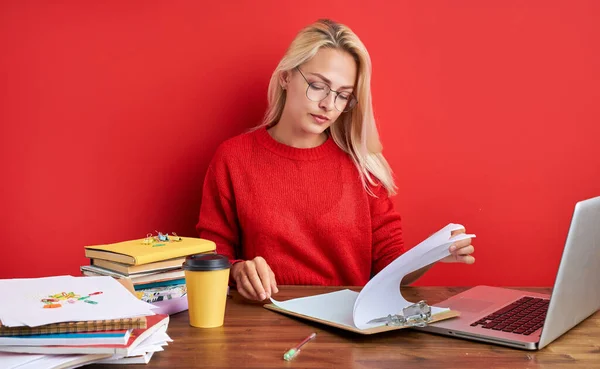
<point>44,302</point>
<point>9,360</point>
<point>144,351</point>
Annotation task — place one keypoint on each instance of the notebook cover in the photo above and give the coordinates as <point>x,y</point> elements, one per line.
<point>131,270</point>
<point>151,277</point>
<point>75,338</point>
<point>134,252</point>
<point>76,327</point>
<point>155,322</point>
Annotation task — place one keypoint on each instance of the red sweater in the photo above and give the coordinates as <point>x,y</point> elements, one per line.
<point>305,211</point>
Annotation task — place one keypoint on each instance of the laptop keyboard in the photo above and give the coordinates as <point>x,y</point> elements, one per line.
<point>523,316</point>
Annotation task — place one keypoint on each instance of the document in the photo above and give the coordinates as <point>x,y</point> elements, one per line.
<point>38,301</point>
<point>381,296</point>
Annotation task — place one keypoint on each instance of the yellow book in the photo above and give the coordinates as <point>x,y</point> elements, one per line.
<point>136,252</point>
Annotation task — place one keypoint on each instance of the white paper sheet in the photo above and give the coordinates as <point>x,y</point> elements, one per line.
<point>9,360</point>
<point>159,337</point>
<point>334,307</point>
<point>381,296</point>
<point>153,343</point>
<point>26,308</point>
<point>68,361</point>
<point>141,359</point>
<point>146,349</point>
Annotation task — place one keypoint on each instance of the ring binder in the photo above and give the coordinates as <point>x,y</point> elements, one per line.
<point>415,315</point>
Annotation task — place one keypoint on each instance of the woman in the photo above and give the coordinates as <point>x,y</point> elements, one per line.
<point>305,197</point>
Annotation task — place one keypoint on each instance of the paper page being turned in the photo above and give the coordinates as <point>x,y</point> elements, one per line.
<point>381,295</point>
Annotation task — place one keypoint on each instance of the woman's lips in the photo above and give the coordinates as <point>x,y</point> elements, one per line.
<point>320,118</point>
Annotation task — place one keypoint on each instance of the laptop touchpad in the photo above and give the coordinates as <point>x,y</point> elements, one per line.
<point>470,305</point>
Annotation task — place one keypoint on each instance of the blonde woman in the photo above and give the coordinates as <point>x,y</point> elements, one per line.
<point>304,198</point>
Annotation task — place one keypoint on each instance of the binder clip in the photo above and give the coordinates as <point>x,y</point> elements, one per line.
<point>415,315</point>
<point>161,239</point>
<point>164,237</point>
<point>148,240</point>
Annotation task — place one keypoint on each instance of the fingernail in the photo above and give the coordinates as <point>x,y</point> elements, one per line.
<point>262,296</point>
<point>453,247</point>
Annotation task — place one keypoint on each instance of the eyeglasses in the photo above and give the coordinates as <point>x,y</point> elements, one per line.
<point>318,91</point>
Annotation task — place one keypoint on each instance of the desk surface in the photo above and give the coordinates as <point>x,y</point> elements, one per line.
<point>254,337</point>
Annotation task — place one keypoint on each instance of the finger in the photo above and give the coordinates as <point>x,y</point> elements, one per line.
<point>468,259</point>
<point>255,281</point>
<point>246,285</point>
<point>274,288</point>
<point>460,244</point>
<point>263,271</point>
<point>243,292</point>
<point>466,250</point>
<point>458,231</point>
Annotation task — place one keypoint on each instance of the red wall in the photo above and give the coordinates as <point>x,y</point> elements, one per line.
<point>110,113</point>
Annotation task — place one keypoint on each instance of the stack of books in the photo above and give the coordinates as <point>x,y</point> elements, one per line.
<point>67,322</point>
<point>152,264</point>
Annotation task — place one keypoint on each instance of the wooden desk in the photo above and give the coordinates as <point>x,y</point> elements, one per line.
<point>254,337</point>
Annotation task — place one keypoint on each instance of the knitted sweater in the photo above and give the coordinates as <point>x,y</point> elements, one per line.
<point>305,211</point>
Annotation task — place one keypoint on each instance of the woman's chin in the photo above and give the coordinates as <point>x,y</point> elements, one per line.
<point>316,129</point>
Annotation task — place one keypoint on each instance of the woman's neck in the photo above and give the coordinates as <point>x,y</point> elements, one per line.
<point>296,138</point>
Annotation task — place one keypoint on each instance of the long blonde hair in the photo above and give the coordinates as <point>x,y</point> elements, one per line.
<point>355,131</point>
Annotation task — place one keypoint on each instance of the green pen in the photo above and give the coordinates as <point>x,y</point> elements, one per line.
<point>291,353</point>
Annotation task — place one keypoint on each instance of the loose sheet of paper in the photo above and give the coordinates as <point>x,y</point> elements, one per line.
<point>55,361</point>
<point>25,306</point>
<point>381,296</point>
<point>334,307</point>
<point>9,360</point>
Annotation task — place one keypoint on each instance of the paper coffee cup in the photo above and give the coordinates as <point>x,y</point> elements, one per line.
<point>206,279</point>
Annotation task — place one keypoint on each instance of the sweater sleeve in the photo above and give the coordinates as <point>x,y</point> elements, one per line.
<point>386,225</point>
<point>218,217</point>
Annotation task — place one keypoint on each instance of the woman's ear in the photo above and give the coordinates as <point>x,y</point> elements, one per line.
<point>284,79</point>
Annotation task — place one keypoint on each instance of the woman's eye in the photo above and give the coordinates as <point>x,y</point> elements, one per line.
<point>318,86</point>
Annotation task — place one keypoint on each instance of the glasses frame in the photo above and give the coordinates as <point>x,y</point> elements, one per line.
<point>330,90</point>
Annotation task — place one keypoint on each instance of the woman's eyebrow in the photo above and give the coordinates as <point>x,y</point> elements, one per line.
<point>329,82</point>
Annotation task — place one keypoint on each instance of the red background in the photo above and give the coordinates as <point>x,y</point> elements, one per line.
<point>110,113</point>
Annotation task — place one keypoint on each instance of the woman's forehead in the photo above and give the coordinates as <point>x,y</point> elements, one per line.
<point>336,66</point>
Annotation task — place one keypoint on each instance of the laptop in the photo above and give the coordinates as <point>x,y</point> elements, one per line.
<point>531,321</point>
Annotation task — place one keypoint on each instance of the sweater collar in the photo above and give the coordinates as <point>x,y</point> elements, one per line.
<point>294,153</point>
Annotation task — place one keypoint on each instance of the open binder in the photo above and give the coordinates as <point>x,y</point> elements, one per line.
<point>380,306</point>
<point>382,328</point>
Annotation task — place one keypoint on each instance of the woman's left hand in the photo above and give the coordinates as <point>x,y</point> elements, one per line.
<point>460,251</point>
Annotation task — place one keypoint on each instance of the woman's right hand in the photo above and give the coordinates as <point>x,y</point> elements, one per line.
<point>254,278</point>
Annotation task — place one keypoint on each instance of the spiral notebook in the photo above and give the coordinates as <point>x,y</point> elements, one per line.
<point>76,327</point>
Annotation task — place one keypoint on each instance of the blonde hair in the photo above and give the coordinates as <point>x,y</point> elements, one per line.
<point>355,131</point>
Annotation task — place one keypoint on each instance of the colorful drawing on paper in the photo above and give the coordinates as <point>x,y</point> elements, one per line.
<point>55,301</point>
